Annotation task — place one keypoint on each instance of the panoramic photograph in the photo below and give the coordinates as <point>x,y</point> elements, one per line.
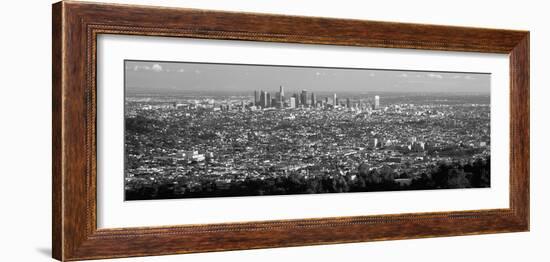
<point>198,130</point>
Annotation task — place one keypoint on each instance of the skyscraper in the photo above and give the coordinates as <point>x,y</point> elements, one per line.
<point>348,103</point>
<point>334,102</point>
<point>281,97</point>
<point>268,100</point>
<point>376,102</point>
<point>263,99</point>
<point>304,98</point>
<point>313,99</point>
<point>297,99</point>
<point>256,97</point>
<point>293,102</point>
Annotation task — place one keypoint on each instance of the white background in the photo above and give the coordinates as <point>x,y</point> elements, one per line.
<point>25,150</point>
<point>114,212</point>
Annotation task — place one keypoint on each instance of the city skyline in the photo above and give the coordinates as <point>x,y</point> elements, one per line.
<point>263,99</point>
<point>181,77</point>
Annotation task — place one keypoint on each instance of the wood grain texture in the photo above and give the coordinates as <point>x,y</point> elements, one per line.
<point>57,196</point>
<point>76,27</point>
<point>519,129</point>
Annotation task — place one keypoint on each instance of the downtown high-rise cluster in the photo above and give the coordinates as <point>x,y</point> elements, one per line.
<point>264,99</point>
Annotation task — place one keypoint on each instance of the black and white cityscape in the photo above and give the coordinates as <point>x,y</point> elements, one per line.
<point>196,130</point>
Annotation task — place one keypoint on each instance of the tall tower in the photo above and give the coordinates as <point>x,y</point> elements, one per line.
<point>334,99</point>
<point>304,97</point>
<point>268,99</point>
<point>348,103</point>
<point>263,99</point>
<point>256,97</point>
<point>281,97</point>
<point>297,99</point>
<point>313,99</point>
<point>376,102</point>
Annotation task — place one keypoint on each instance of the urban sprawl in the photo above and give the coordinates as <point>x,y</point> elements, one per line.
<point>268,144</point>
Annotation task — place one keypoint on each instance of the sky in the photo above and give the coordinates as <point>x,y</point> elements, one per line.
<point>181,77</point>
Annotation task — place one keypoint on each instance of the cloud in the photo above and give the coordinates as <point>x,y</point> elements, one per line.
<point>403,75</point>
<point>469,77</point>
<point>156,68</point>
<point>432,75</point>
<point>181,70</point>
<point>372,74</point>
<point>138,68</point>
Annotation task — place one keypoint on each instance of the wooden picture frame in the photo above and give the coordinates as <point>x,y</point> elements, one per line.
<point>76,26</point>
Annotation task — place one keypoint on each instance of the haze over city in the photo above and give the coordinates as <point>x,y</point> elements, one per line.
<point>179,77</point>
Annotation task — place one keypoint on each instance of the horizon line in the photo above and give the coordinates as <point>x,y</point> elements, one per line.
<point>166,90</point>
<point>301,66</point>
